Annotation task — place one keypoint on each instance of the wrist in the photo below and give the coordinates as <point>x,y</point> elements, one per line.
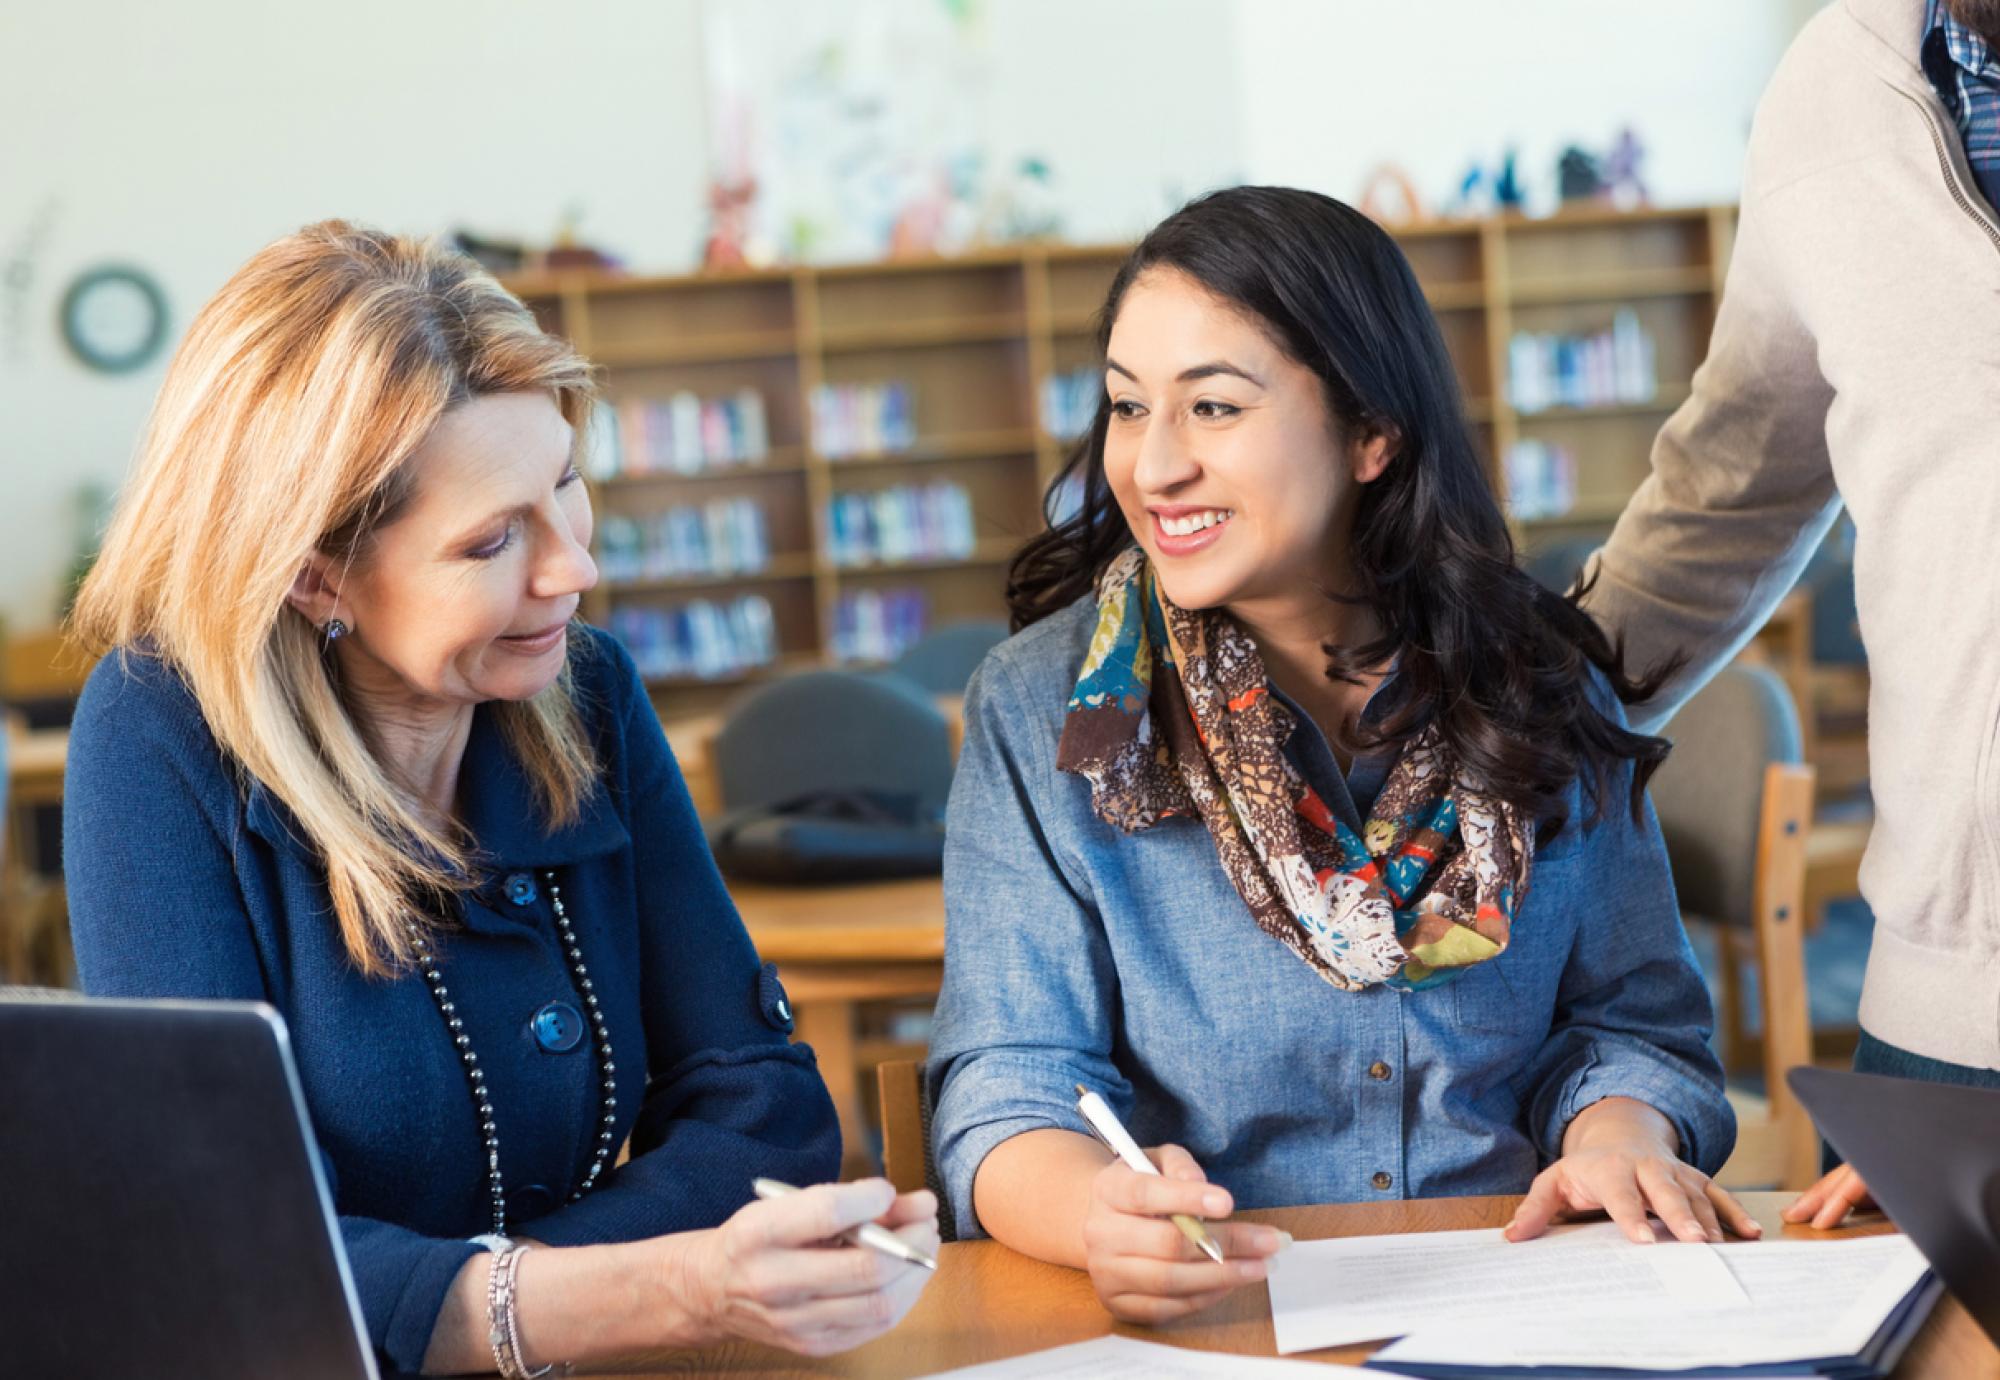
<point>1620,1122</point>
<point>685,1289</point>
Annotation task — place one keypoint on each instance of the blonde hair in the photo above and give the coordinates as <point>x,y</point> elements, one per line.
<point>285,427</point>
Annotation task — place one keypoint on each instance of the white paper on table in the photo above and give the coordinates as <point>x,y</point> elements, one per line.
<point>1124,1358</point>
<point>1364,1288</point>
<point>1808,1300</point>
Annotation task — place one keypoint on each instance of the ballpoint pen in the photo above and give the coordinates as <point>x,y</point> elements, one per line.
<point>869,1234</point>
<point>1104,1123</point>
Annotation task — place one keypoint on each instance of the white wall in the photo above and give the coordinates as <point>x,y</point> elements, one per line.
<point>1331,89</point>
<point>183,136</point>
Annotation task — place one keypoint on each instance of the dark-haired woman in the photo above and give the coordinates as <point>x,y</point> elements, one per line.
<point>1298,823</point>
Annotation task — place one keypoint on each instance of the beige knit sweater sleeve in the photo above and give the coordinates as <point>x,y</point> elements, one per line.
<point>1740,494</point>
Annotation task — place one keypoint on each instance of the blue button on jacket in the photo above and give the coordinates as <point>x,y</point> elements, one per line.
<point>183,884</point>
<point>1078,954</point>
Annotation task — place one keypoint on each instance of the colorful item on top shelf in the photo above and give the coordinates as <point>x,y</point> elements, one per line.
<point>878,625</point>
<point>683,434</point>
<point>905,522</point>
<point>725,537</point>
<point>1069,402</point>
<point>1541,480</point>
<point>1606,368</point>
<point>863,419</point>
<point>699,640</point>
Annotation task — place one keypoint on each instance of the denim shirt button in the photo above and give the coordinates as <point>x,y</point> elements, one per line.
<point>521,888</point>
<point>1379,1071</point>
<point>1382,1179</point>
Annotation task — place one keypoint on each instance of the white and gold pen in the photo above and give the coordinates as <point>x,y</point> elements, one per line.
<point>1104,1123</point>
<point>870,1234</point>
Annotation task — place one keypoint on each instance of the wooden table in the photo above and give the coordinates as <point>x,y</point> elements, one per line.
<point>31,906</point>
<point>837,947</point>
<point>988,1302</point>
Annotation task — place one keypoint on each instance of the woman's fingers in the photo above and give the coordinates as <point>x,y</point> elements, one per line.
<point>910,1209</point>
<point>1837,1191</point>
<point>1704,1210</point>
<point>1151,1195</point>
<point>1734,1215</point>
<point>1178,1278</point>
<point>1845,1196</point>
<point>1668,1198</point>
<point>1152,1310</point>
<point>1618,1191</point>
<point>816,1214</point>
<point>1176,1163</point>
<point>1544,1203</point>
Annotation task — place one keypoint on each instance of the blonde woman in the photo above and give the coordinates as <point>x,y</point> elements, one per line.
<point>355,758</point>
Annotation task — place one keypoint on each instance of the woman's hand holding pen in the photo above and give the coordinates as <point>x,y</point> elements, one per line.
<point>1144,1268</point>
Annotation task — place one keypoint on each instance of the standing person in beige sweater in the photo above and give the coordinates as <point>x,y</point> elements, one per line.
<point>1855,360</point>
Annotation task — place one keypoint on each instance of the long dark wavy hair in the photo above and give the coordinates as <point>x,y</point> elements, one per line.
<point>1498,664</point>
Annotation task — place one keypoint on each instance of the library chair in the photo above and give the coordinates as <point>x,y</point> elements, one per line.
<point>833,730</point>
<point>906,1134</point>
<point>944,660</point>
<point>1735,804</point>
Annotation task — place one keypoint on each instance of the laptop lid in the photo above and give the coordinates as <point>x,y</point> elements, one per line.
<point>162,1206</point>
<point>1931,1155</point>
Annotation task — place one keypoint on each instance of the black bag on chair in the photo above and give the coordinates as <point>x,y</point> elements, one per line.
<point>829,837</point>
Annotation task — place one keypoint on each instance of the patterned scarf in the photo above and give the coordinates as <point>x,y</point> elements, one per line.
<point>1173,715</point>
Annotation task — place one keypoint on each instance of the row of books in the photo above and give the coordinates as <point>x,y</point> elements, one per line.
<point>700,640</point>
<point>1069,402</point>
<point>1541,479</point>
<point>906,522</point>
<point>863,419</point>
<point>682,434</point>
<point>727,536</point>
<point>878,625</point>
<point>1609,367</point>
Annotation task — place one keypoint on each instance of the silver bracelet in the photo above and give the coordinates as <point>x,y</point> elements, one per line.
<point>503,1328</point>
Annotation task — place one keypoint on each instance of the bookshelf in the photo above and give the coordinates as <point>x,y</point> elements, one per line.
<point>968,343</point>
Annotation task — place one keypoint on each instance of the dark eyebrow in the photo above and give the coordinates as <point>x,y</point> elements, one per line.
<point>1213,369</point>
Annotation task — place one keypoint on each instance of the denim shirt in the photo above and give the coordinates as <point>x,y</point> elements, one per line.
<point>1076,954</point>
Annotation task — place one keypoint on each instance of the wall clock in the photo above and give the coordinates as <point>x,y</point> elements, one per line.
<point>114,318</point>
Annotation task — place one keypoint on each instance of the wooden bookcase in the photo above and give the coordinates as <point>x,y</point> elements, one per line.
<point>973,337</point>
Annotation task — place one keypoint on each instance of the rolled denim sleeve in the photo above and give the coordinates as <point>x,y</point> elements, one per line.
<point>1030,998</point>
<point>1632,1015</point>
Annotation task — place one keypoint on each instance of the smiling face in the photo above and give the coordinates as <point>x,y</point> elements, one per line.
<point>465,595</point>
<point>1222,452</point>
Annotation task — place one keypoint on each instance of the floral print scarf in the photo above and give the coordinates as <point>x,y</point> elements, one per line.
<point>1173,715</point>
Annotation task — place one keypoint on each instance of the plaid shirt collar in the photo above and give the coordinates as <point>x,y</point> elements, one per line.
<point>1966,74</point>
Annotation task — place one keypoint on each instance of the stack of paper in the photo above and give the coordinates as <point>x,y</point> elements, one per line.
<point>1586,1301</point>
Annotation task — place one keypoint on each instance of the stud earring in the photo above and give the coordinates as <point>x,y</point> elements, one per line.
<point>334,630</point>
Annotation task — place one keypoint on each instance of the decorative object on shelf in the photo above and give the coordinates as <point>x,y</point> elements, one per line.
<point>492,254</point>
<point>699,640</point>
<point>1541,480</point>
<point>684,434</point>
<point>1610,367</point>
<point>1507,192</point>
<point>878,625</point>
<point>114,318</point>
<point>850,419</point>
<point>569,254</point>
<point>729,208</point>
<point>1390,197</point>
<point>91,514</point>
<point>1578,176</point>
<point>1615,179</point>
<point>725,537</point>
<point>1624,175</point>
<point>905,522</point>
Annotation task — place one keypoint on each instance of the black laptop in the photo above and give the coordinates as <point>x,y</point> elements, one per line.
<point>1931,1155</point>
<point>162,1208</point>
